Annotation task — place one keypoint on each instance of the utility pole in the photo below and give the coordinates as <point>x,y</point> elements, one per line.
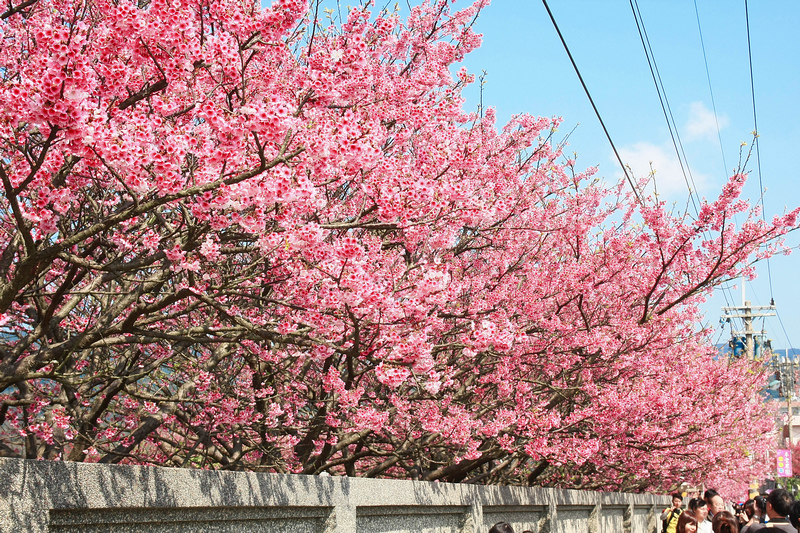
<point>747,312</point>
<point>785,368</point>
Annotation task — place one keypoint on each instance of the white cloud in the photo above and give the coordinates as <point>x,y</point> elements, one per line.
<point>644,158</point>
<point>668,178</point>
<point>702,125</point>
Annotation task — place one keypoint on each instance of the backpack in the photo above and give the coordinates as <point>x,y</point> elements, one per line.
<point>672,514</point>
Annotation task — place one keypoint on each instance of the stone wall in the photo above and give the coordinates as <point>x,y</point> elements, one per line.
<point>42,496</point>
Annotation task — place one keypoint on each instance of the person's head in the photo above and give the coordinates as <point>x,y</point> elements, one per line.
<point>749,508</point>
<point>794,515</point>
<point>502,527</point>
<point>687,523</point>
<point>761,505</point>
<point>779,503</point>
<point>724,522</point>
<point>677,500</point>
<point>700,508</point>
<point>707,495</point>
<point>716,505</point>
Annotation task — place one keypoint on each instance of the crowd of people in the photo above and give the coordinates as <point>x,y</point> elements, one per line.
<point>777,511</point>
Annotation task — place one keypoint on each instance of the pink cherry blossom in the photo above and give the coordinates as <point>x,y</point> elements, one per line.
<point>232,240</point>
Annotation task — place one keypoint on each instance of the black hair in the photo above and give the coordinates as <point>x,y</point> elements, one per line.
<point>696,503</point>
<point>502,527</point>
<point>676,495</point>
<point>781,501</point>
<point>749,508</point>
<point>794,515</point>
<point>710,493</point>
<point>761,504</point>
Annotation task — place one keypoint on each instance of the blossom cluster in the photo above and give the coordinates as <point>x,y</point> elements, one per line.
<point>236,237</point>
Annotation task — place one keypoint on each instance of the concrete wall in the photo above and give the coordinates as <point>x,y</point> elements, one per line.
<point>41,496</point>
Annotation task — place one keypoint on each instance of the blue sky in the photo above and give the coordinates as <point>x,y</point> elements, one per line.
<point>528,71</point>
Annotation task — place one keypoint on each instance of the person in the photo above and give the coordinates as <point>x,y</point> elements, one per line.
<point>724,522</point>
<point>700,509</point>
<point>748,515</point>
<point>502,527</point>
<point>779,505</point>
<point>759,514</point>
<point>687,523</point>
<point>761,508</point>
<point>670,515</point>
<point>708,496</point>
<point>715,505</point>
<point>794,515</point>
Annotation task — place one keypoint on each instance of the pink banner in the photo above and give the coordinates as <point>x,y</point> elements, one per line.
<point>784,463</point>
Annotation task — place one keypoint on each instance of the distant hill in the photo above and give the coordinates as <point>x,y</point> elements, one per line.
<point>794,352</point>
<point>724,348</point>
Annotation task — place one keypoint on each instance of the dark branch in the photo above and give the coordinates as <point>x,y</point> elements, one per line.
<point>17,9</point>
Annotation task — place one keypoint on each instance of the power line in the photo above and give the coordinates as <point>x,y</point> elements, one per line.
<point>755,125</point>
<point>591,101</point>
<point>719,337</point>
<point>665,107</point>
<point>710,90</point>
<point>788,342</point>
<point>668,116</point>
<point>716,117</point>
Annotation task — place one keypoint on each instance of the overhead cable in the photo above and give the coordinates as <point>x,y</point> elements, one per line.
<point>756,132</point>
<point>670,119</point>
<point>665,107</point>
<point>789,350</point>
<point>591,101</point>
<point>714,108</point>
<point>710,90</point>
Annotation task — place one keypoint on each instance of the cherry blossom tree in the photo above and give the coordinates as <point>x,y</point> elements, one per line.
<point>256,238</point>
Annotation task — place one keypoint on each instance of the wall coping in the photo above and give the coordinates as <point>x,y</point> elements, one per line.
<point>34,490</point>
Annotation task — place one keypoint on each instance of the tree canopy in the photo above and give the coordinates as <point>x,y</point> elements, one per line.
<point>246,238</point>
